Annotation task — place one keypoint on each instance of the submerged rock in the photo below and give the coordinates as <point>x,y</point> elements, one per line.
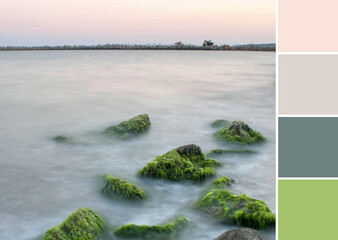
<point>130,128</point>
<point>122,188</point>
<point>83,224</point>
<point>239,132</point>
<point>167,231</point>
<point>227,207</point>
<point>222,182</point>
<point>185,162</point>
<point>63,139</point>
<point>228,151</point>
<point>219,123</point>
<point>241,234</point>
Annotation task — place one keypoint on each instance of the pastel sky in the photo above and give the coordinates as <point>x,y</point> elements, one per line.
<point>58,22</point>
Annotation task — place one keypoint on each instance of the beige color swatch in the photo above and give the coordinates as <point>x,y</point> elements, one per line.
<point>308,84</point>
<point>307,26</point>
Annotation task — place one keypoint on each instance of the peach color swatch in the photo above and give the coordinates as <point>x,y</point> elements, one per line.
<point>307,26</point>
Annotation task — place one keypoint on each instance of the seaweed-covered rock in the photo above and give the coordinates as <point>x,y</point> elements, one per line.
<point>236,209</point>
<point>239,132</point>
<point>130,128</point>
<point>215,152</point>
<point>63,139</point>
<point>241,234</point>
<point>222,182</point>
<point>118,186</point>
<point>185,162</point>
<point>83,224</point>
<point>167,231</point>
<point>219,123</point>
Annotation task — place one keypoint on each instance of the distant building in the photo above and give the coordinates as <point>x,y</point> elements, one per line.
<point>208,43</point>
<point>226,47</point>
<point>178,43</point>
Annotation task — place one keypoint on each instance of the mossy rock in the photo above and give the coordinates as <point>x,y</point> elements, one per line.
<point>83,224</point>
<point>240,133</point>
<point>219,123</point>
<point>215,152</point>
<point>117,186</point>
<point>229,208</point>
<point>186,162</point>
<point>222,182</point>
<point>130,128</point>
<point>63,139</point>
<point>167,231</point>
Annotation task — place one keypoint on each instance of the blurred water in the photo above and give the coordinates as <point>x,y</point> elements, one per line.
<point>80,93</point>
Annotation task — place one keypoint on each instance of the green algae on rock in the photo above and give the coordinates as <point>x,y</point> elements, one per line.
<point>236,209</point>
<point>186,162</point>
<point>214,152</point>
<point>122,188</point>
<point>219,123</point>
<point>167,231</point>
<point>239,132</point>
<point>62,139</point>
<point>130,128</point>
<point>83,224</point>
<point>222,182</point>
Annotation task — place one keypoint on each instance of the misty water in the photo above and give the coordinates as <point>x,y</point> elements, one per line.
<point>80,93</point>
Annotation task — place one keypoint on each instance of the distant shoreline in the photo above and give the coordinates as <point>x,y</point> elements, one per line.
<point>249,47</point>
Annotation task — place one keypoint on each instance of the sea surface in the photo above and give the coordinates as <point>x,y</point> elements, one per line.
<point>80,93</point>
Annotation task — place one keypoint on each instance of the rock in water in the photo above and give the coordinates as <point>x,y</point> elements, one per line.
<point>130,128</point>
<point>219,123</point>
<point>84,224</point>
<point>122,188</point>
<point>185,162</point>
<point>167,231</point>
<point>227,207</point>
<point>239,132</point>
<point>241,234</point>
<point>222,183</point>
<point>63,139</point>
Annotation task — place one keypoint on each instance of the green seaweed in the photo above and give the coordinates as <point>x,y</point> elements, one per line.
<point>215,152</point>
<point>63,139</point>
<point>219,123</point>
<point>130,128</point>
<point>236,209</point>
<point>122,188</point>
<point>222,182</point>
<point>240,133</point>
<point>186,162</point>
<point>83,224</point>
<point>167,231</point>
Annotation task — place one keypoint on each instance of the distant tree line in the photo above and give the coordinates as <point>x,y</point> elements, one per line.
<point>253,47</point>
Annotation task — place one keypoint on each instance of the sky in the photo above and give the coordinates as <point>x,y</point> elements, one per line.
<point>89,22</point>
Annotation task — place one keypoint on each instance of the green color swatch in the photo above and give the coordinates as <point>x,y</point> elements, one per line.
<point>307,209</point>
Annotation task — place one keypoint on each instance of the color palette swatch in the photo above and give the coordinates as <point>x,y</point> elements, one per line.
<point>307,119</point>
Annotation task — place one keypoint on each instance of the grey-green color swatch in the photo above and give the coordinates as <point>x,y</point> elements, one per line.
<point>308,147</point>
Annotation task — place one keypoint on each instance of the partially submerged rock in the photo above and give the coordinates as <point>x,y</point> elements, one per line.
<point>185,162</point>
<point>122,188</point>
<point>227,207</point>
<point>83,224</point>
<point>167,231</point>
<point>219,123</point>
<point>241,234</point>
<point>214,152</point>
<point>239,132</point>
<point>222,182</point>
<point>130,128</point>
<point>63,139</point>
